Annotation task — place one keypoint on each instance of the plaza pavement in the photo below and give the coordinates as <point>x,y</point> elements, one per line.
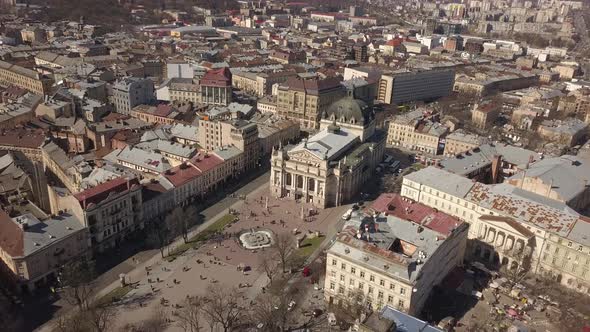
<point>219,260</point>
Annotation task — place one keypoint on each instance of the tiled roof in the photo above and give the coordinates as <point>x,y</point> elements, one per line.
<point>396,205</point>
<point>101,192</point>
<point>217,77</point>
<point>22,138</point>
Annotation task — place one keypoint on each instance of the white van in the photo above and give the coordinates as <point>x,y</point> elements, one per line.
<point>332,319</point>
<point>347,214</point>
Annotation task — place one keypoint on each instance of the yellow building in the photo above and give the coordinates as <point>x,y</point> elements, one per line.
<point>304,100</point>
<point>24,78</point>
<point>416,130</point>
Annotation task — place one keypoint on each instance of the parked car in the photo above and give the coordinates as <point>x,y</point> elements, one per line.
<point>347,214</point>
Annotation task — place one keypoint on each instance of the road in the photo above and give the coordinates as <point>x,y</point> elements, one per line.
<point>109,280</point>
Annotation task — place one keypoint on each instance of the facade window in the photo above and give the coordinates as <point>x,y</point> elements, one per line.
<point>382,283</point>
<point>390,299</point>
<point>343,266</point>
<point>402,291</point>
<point>342,277</point>
<point>370,289</point>
<point>380,295</point>
<point>351,282</point>
<point>333,261</point>
<point>391,286</point>
<point>333,274</point>
<point>372,278</point>
<point>332,285</point>
<point>362,274</point>
<point>400,303</point>
<point>352,270</point>
<point>361,285</point>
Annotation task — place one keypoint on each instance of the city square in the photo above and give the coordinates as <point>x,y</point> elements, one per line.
<point>222,262</point>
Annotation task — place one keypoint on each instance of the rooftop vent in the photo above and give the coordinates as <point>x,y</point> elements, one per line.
<point>347,251</point>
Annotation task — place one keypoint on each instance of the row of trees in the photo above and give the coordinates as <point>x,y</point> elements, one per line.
<point>177,223</point>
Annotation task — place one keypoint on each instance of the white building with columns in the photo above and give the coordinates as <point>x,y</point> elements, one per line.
<point>509,224</point>
<point>330,167</point>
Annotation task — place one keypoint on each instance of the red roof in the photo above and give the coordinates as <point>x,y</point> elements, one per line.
<point>101,192</point>
<point>406,209</point>
<point>182,174</point>
<point>217,77</point>
<point>163,110</point>
<point>11,236</point>
<point>198,165</point>
<point>22,138</point>
<point>114,116</point>
<point>395,42</point>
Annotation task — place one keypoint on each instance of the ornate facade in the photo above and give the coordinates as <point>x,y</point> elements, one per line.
<point>329,168</point>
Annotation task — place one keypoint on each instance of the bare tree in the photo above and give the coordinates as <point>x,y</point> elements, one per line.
<point>272,311</point>
<point>267,264</point>
<point>157,322</point>
<point>222,308</point>
<point>96,318</point>
<point>70,323</point>
<point>357,303</point>
<point>101,318</point>
<point>76,279</point>
<point>284,247</point>
<point>176,224</point>
<point>519,269</point>
<point>189,317</point>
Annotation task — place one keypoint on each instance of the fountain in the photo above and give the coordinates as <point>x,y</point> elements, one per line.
<point>256,239</point>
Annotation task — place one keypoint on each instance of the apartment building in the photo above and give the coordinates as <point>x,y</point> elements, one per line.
<point>242,134</point>
<point>24,78</point>
<point>417,130</point>
<point>184,90</point>
<point>203,174</point>
<point>260,84</point>
<point>33,250</point>
<point>509,226</point>
<point>393,254</point>
<point>305,100</point>
<point>111,211</point>
<point>130,92</point>
<point>577,102</point>
<point>484,115</point>
<point>274,131</point>
<point>460,141</point>
<point>415,85</point>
